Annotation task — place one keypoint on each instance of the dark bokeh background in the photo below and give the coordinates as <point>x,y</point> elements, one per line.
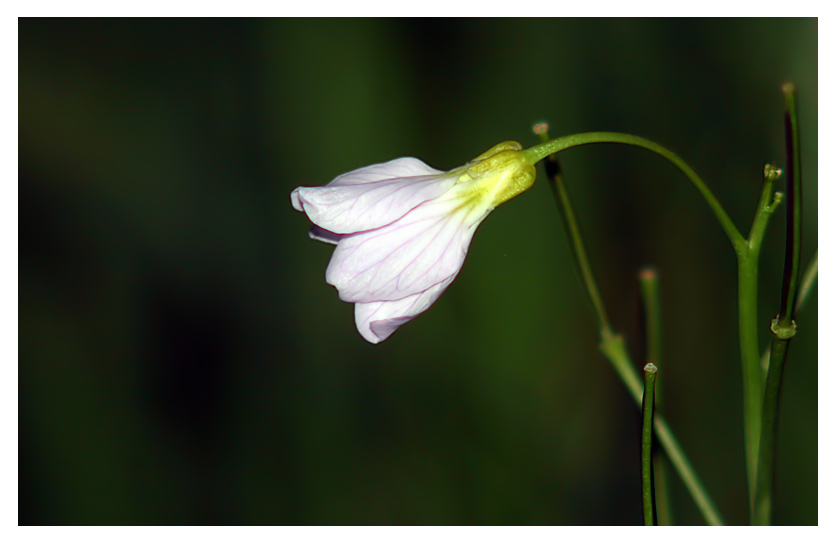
<point>183,361</point>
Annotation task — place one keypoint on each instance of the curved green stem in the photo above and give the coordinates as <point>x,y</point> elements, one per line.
<point>539,152</point>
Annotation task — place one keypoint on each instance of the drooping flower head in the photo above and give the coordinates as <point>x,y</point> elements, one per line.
<point>402,229</point>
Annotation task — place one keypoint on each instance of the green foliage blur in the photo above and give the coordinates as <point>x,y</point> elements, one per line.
<point>182,360</point>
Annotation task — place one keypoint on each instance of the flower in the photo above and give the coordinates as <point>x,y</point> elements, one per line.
<point>402,229</point>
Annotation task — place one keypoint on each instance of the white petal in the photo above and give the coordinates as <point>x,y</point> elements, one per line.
<point>425,247</point>
<point>371,197</point>
<point>376,321</point>
<point>405,167</point>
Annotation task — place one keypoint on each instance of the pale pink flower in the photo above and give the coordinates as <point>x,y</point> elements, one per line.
<point>402,229</point>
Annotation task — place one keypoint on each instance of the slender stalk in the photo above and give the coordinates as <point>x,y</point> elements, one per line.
<point>647,443</point>
<point>783,326</point>
<point>766,452</point>
<point>550,147</point>
<point>792,256</point>
<point>652,310</point>
<point>572,228</point>
<point>613,347</point>
<point>748,326</point>
<point>747,303</point>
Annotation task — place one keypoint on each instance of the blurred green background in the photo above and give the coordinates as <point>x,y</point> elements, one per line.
<point>182,360</point>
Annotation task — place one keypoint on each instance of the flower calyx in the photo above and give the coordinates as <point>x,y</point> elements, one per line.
<point>502,172</point>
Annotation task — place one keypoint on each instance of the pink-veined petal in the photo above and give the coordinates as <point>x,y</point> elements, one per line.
<point>405,167</point>
<point>423,248</point>
<point>376,321</point>
<point>371,197</point>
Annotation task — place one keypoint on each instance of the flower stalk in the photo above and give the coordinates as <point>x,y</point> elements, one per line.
<point>573,232</point>
<point>551,147</point>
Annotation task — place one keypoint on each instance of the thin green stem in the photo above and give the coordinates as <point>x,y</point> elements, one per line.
<point>647,443</point>
<point>747,302</point>
<point>766,452</point>
<point>748,318</point>
<point>783,326</point>
<point>539,152</point>
<point>572,229</point>
<point>792,256</point>
<point>652,310</point>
